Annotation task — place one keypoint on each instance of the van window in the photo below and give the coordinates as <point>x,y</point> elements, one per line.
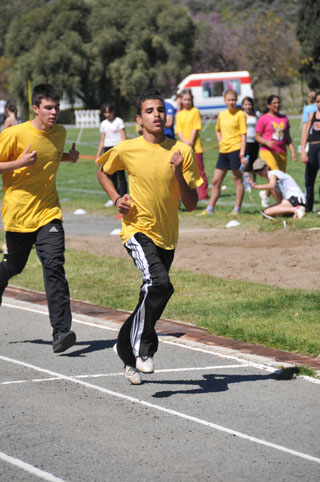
<point>232,84</point>
<point>212,89</point>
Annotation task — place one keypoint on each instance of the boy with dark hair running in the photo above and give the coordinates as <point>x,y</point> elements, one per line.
<point>30,154</point>
<point>160,172</point>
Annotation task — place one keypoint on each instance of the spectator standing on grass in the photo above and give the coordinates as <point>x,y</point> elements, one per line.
<point>11,115</point>
<point>170,115</point>
<point>231,130</point>
<point>288,195</point>
<point>112,132</point>
<point>311,159</point>
<point>307,110</point>
<point>273,135</point>
<point>252,146</point>
<point>160,172</point>
<point>188,129</point>
<point>30,154</point>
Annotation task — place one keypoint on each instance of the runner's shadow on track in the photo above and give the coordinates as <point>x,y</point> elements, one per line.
<point>89,346</point>
<point>209,384</point>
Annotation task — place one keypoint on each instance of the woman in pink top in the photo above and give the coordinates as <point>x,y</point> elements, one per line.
<point>273,135</point>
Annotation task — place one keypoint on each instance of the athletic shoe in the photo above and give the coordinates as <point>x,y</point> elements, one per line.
<point>264,199</point>
<point>63,341</point>
<point>234,214</point>
<point>109,204</point>
<point>145,364</point>
<point>205,213</point>
<point>133,375</point>
<point>300,212</point>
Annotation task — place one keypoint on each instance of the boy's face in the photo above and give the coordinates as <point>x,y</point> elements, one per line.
<point>153,116</point>
<point>47,113</point>
<point>231,101</point>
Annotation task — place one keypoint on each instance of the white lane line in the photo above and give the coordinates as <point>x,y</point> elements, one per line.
<point>108,375</point>
<point>259,366</point>
<point>175,413</point>
<point>29,468</point>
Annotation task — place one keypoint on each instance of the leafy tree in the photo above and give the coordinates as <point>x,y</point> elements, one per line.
<point>217,46</point>
<point>142,44</point>
<point>308,32</point>
<point>101,50</point>
<point>271,50</point>
<point>48,44</point>
<point>12,9</point>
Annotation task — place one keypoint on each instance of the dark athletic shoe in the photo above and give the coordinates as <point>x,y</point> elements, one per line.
<point>63,341</point>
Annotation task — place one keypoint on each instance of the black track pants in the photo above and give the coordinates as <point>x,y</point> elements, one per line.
<point>137,336</point>
<point>50,246</point>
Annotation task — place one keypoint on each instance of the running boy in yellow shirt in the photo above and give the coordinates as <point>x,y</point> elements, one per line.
<point>160,172</point>
<point>30,154</point>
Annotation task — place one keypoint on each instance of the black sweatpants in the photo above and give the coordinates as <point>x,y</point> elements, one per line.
<point>50,246</point>
<point>118,179</point>
<point>137,336</point>
<point>312,167</point>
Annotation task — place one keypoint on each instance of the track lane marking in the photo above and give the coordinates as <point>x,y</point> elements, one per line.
<point>154,406</point>
<point>29,468</point>
<point>109,375</point>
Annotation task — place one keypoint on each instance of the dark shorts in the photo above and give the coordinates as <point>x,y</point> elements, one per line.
<point>229,160</point>
<point>295,201</point>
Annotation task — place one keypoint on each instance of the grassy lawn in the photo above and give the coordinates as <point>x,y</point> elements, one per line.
<point>274,317</point>
<point>257,313</point>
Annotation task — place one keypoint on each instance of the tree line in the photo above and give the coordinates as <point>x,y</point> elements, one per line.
<point>110,50</point>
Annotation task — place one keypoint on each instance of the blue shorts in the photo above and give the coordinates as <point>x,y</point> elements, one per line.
<point>229,160</point>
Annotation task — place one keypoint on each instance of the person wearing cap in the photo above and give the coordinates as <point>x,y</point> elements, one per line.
<point>288,195</point>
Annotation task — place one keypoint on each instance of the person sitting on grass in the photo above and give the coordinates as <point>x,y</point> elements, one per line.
<point>288,195</point>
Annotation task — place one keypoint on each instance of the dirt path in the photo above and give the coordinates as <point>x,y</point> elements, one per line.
<point>287,259</point>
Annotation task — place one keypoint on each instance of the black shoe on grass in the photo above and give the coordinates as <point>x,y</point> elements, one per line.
<point>63,341</point>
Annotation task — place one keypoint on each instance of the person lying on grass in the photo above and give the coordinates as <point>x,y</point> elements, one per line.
<point>288,195</point>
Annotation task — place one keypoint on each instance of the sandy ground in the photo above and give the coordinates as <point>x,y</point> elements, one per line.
<point>287,259</point>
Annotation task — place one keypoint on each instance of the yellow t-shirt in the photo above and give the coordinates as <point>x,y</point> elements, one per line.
<point>30,196</point>
<point>186,122</point>
<point>231,126</point>
<point>153,186</point>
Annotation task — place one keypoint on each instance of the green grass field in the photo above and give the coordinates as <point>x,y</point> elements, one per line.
<point>275,317</point>
<point>78,187</point>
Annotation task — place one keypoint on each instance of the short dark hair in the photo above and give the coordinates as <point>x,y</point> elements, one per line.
<point>108,106</point>
<point>150,94</point>
<point>272,97</point>
<point>44,91</point>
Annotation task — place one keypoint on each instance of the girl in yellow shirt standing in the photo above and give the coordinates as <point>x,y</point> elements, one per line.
<point>231,130</point>
<point>188,127</point>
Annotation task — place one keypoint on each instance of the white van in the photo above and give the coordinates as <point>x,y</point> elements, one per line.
<point>208,89</point>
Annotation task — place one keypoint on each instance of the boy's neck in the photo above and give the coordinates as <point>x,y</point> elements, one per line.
<point>153,138</point>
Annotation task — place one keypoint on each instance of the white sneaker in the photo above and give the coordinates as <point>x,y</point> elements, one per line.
<point>109,204</point>
<point>133,375</point>
<point>264,199</point>
<point>145,364</point>
<point>300,212</point>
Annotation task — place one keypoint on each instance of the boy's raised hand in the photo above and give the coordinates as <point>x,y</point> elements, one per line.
<point>73,155</point>
<point>28,158</point>
<point>176,161</point>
